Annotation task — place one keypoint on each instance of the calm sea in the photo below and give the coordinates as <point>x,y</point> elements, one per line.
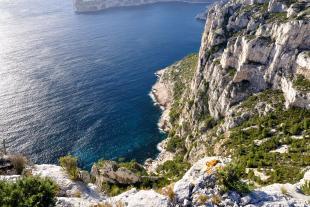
<point>79,83</point>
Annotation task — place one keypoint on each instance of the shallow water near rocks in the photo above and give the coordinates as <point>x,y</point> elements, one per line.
<point>79,83</point>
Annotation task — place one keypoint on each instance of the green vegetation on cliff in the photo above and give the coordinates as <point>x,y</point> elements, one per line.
<point>301,83</point>
<point>252,145</point>
<point>255,143</point>
<point>180,75</point>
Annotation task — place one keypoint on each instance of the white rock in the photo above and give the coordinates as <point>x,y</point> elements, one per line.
<point>193,177</point>
<point>282,149</point>
<point>142,198</point>
<point>68,187</point>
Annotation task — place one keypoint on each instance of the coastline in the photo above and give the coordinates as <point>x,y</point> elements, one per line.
<point>161,96</point>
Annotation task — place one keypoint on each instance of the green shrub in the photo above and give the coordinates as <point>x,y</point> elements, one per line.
<point>277,17</point>
<point>301,83</point>
<point>173,170</point>
<point>70,164</point>
<point>28,192</point>
<point>174,143</point>
<point>134,167</point>
<point>230,179</point>
<point>231,71</point>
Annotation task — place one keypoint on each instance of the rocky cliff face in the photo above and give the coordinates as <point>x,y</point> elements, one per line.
<point>98,5</point>
<point>260,45</point>
<point>247,47</point>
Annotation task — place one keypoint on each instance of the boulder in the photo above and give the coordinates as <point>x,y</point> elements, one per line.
<point>110,172</point>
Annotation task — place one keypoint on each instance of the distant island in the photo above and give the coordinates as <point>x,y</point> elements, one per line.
<point>99,5</point>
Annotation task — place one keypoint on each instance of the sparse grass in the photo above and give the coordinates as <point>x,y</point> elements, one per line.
<point>231,71</point>
<point>202,199</point>
<point>216,199</point>
<point>168,191</point>
<point>305,188</point>
<point>217,62</point>
<point>70,164</point>
<point>277,17</point>
<point>19,163</point>
<point>77,194</point>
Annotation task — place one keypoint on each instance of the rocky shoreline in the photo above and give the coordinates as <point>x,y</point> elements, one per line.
<point>161,95</point>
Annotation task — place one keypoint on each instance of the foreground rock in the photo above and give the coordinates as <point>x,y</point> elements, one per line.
<point>199,187</point>
<point>75,191</point>
<point>142,198</point>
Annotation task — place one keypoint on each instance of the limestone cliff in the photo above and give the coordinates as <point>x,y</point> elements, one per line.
<point>247,47</point>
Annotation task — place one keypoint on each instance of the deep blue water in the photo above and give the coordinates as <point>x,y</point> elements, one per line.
<point>79,84</point>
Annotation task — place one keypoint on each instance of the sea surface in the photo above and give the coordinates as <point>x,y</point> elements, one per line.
<point>79,83</point>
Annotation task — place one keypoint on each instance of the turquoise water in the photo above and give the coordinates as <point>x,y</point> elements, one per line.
<point>79,83</point>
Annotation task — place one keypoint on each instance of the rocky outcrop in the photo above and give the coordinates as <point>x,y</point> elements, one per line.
<point>6,166</point>
<point>88,193</point>
<point>199,187</point>
<point>98,5</point>
<point>196,179</point>
<point>110,172</point>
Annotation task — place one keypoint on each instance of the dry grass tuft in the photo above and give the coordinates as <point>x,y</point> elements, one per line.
<point>19,163</point>
<point>216,199</point>
<point>168,191</point>
<point>202,199</point>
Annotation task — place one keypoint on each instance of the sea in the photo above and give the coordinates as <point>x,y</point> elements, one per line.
<point>79,84</point>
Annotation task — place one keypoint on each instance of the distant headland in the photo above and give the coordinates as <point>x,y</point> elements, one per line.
<point>82,6</point>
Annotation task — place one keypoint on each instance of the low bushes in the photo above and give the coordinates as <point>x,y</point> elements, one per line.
<point>28,192</point>
<point>173,170</point>
<point>301,83</point>
<point>70,164</point>
<point>229,178</point>
<point>174,143</point>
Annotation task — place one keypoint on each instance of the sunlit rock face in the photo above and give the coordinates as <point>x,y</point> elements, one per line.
<point>250,46</point>
<point>98,5</point>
